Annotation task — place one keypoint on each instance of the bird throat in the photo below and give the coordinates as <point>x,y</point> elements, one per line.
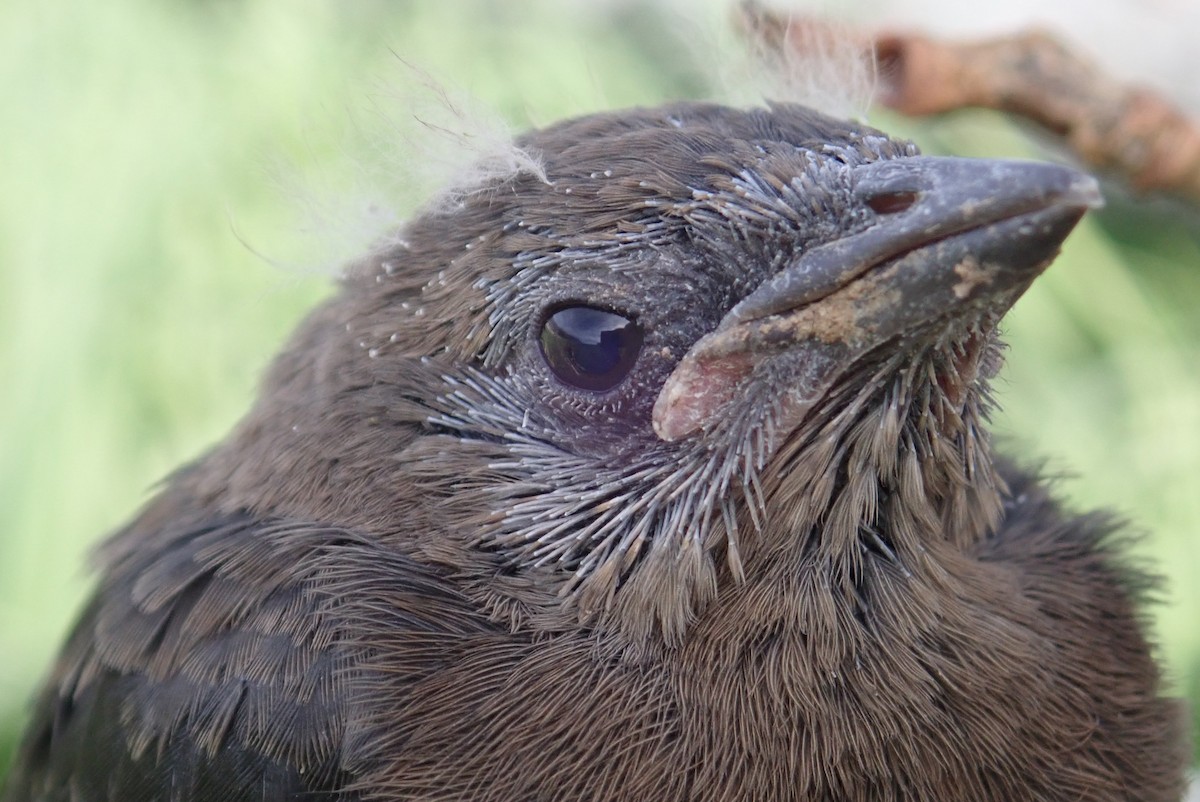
<point>881,472</point>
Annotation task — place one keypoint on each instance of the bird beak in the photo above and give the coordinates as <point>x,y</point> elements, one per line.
<point>950,237</point>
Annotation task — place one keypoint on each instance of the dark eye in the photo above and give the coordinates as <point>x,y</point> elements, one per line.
<point>590,348</point>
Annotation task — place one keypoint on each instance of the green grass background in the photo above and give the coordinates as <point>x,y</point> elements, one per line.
<point>142,212</point>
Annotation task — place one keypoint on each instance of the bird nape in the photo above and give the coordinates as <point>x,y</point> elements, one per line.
<point>661,473</point>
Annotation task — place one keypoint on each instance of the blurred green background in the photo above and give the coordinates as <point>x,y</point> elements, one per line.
<point>154,253</point>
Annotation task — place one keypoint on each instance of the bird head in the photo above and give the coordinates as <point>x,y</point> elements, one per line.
<point>697,343</point>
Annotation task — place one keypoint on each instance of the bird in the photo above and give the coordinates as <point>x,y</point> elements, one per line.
<point>656,468</point>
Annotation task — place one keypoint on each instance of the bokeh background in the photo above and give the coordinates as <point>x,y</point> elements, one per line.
<point>173,177</point>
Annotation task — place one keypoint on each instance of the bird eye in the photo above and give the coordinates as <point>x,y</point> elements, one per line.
<point>589,348</point>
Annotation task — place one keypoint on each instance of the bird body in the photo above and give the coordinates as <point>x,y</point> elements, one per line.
<point>659,473</point>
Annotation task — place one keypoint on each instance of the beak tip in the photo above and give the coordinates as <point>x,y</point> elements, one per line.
<point>1083,190</point>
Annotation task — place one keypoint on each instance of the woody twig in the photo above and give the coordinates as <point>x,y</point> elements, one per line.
<point>1114,127</point>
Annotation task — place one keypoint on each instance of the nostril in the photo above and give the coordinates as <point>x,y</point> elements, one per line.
<point>892,202</point>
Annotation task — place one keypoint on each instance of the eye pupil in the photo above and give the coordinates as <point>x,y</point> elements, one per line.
<point>590,348</point>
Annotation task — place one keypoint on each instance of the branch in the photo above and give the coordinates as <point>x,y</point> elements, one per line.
<point>1128,130</point>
